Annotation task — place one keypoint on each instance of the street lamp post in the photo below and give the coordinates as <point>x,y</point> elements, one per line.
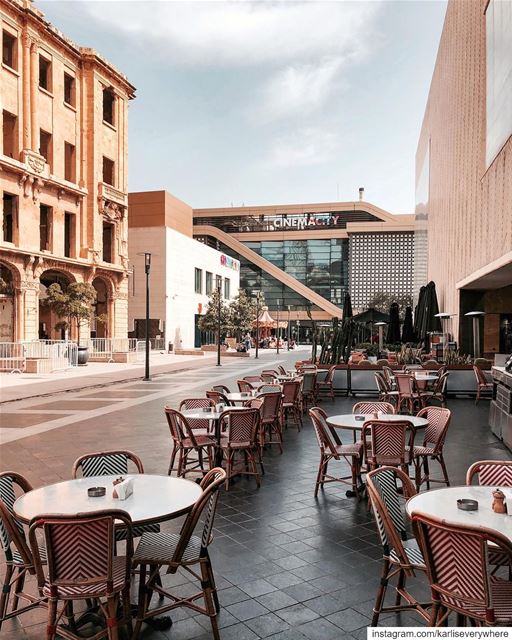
<point>289,328</point>
<point>381,326</point>
<point>147,269</point>
<point>219,310</point>
<point>278,301</point>
<point>257,321</point>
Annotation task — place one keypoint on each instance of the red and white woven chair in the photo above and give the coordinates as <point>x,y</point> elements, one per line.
<point>18,556</point>
<point>408,394</point>
<point>325,386</point>
<point>202,426</point>
<point>369,407</point>
<point>433,443</point>
<point>402,557</point>
<point>483,385</point>
<point>457,560</point>
<point>291,402</point>
<point>185,550</point>
<point>493,473</point>
<point>244,386</point>
<point>240,429</point>
<point>185,443</point>
<point>271,431</point>
<point>331,448</point>
<point>83,565</point>
<point>388,443</point>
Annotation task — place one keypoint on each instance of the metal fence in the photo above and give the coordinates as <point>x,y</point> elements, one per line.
<point>106,347</point>
<point>12,357</point>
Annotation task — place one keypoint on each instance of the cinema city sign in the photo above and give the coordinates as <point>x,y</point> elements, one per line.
<point>228,261</point>
<point>305,221</point>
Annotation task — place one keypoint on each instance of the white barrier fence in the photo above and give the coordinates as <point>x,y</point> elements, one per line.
<point>38,356</point>
<point>106,347</point>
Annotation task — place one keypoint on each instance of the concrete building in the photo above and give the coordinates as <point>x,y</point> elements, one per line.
<point>63,175</point>
<point>183,271</point>
<point>464,173</point>
<point>311,254</point>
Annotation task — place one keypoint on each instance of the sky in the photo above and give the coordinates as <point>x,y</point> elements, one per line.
<point>269,102</point>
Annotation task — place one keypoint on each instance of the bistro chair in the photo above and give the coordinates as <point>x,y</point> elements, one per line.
<point>385,392</point>
<point>241,438</point>
<point>388,488</point>
<point>112,463</point>
<point>221,388</point>
<point>184,550</point>
<point>282,370</point>
<point>270,423</point>
<point>457,557</point>
<point>18,556</point>
<point>83,565</point>
<point>291,402</point>
<point>244,386</point>
<point>433,443</point>
<point>253,379</point>
<point>326,385</point>
<point>219,398</point>
<point>438,392</point>
<point>493,473</point>
<point>389,375</point>
<point>408,394</point>
<point>483,385</point>
<point>308,388</point>
<point>269,372</point>
<point>201,426</point>
<point>388,443</point>
<point>331,448</point>
<point>270,388</point>
<point>185,442</point>
<point>368,407</point>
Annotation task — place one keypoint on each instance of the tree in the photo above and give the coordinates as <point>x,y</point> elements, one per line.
<point>382,302</point>
<point>209,321</point>
<point>73,305</point>
<point>242,314</point>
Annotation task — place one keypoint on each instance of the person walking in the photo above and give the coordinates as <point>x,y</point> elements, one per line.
<point>247,341</point>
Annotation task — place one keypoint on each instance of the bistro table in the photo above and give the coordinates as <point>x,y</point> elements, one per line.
<point>442,503</point>
<point>154,498</point>
<point>356,422</point>
<point>242,397</point>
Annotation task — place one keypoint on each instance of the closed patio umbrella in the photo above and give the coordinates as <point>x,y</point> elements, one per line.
<point>347,306</point>
<point>407,327</point>
<point>393,335</point>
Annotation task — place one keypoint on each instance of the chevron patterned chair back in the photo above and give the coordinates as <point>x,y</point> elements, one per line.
<point>18,557</point>
<point>82,563</point>
<point>327,438</point>
<point>491,473</point>
<point>106,463</point>
<point>252,379</point>
<point>241,430</point>
<point>218,398</point>
<point>399,552</point>
<point>268,377</point>
<point>198,403</point>
<point>457,559</point>
<point>282,370</point>
<point>388,443</point>
<point>270,388</point>
<point>433,443</point>
<point>222,388</point>
<point>368,407</point>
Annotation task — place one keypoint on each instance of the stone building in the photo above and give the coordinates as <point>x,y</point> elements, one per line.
<point>63,175</point>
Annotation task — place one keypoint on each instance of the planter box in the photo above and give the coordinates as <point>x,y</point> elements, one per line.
<point>235,354</point>
<point>213,347</point>
<point>362,379</point>
<point>189,352</point>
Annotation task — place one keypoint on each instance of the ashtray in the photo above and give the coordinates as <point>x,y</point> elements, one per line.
<point>96,492</point>
<point>467,505</point>
<point>360,418</point>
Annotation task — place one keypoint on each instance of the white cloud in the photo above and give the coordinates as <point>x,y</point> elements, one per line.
<point>303,147</point>
<point>243,33</point>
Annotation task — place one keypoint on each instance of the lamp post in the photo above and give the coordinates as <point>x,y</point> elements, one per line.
<point>476,315</point>
<point>289,328</point>
<point>298,328</point>
<point>219,311</point>
<point>147,269</point>
<point>258,293</point>
<point>278,301</point>
<point>444,317</point>
<point>381,326</point>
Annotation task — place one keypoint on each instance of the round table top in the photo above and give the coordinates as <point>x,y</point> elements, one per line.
<point>241,397</point>
<point>349,421</point>
<point>154,498</point>
<point>442,503</point>
<point>199,414</point>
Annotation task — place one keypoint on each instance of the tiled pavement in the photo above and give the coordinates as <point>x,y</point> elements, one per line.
<point>287,566</point>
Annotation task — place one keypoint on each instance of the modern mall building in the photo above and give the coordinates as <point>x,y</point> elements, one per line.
<point>311,254</point>
<point>464,173</point>
<point>63,175</point>
<point>183,271</point>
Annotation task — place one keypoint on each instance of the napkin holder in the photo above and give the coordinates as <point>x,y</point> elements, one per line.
<point>123,489</point>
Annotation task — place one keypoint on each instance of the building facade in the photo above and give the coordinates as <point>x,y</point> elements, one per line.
<point>183,270</point>
<point>464,173</point>
<point>63,176</point>
<point>309,256</point>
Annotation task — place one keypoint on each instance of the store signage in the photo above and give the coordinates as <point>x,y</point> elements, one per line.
<point>305,221</point>
<point>229,262</point>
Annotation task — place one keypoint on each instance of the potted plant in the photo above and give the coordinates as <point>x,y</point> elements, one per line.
<point>74,306</point>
